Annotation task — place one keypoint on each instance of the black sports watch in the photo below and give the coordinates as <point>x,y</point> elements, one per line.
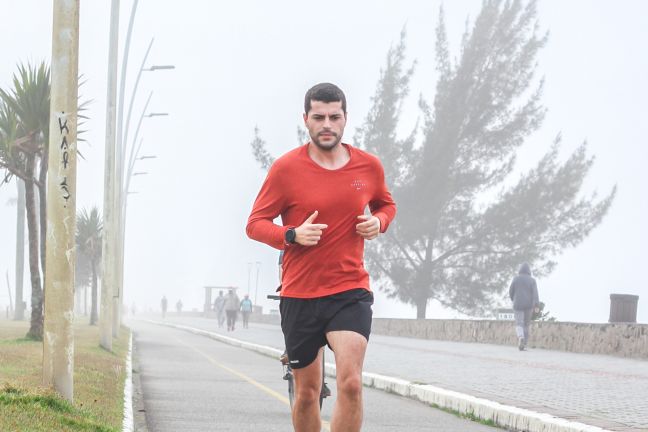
<point>290,236</point>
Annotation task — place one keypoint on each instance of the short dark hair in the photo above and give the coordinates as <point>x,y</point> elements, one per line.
<point>324,92</point>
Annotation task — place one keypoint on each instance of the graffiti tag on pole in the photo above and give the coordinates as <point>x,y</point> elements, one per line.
<point>65,155</point>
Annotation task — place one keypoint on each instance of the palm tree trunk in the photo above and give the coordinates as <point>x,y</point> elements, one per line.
<point>36,326</point>
<point>20,250</point>
<point>42,201</point>
<point>93,313</point>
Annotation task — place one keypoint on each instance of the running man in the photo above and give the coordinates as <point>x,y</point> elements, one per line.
<point>321,191</point>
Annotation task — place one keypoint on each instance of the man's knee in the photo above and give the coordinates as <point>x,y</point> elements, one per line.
<point>308,394</point>
<point>351,386</point>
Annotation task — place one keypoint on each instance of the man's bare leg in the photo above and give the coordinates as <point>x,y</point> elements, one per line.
<point>306,409</point>
<point>349,348</point>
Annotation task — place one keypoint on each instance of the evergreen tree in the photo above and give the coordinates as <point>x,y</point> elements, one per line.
<point>452,241</point>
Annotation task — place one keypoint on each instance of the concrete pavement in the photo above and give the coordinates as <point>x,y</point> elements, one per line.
<point>603,391</point>
<point>193,383</point>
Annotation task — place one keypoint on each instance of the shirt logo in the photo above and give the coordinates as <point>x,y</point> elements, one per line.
<point>358,184</point>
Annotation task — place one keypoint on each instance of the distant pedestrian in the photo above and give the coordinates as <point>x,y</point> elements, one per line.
<point>524,294</point>
<point>179,306</point>
<point>232,304</point>
<point>219,308</point>
<point>164,304</point>
<point>246,310</point>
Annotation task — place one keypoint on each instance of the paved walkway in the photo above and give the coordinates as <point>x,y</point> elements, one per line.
<point>193,383</point>
<point>597,390</point>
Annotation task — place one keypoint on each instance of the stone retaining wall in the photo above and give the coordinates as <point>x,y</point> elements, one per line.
<point>624,340</point>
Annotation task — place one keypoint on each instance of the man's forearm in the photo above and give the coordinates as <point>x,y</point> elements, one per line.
<point>385,214</point>
<point>267,232</point>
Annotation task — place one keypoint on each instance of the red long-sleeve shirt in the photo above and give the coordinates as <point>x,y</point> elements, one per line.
<point>295,187</point>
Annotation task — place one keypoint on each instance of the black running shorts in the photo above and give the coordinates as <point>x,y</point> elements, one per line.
<point>305,322</point>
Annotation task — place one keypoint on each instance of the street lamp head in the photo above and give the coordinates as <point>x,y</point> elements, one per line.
<point>160,67</point>
<point>147,157</point>
<point>140,173</point>
<point>156,114</point>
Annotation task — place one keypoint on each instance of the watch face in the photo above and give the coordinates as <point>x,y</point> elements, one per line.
<point>290,235</point>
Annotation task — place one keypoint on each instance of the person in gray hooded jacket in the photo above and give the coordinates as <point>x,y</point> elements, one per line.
<point>524,294</point>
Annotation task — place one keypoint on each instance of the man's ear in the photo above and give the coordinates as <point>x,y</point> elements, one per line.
<point>305,115</point>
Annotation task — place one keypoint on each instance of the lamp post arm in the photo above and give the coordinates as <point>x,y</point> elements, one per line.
<point>133,150</point>
<point>132,99</point>
<point>129,174</point>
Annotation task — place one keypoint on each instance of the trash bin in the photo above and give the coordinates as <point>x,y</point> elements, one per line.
<point>623,308</point>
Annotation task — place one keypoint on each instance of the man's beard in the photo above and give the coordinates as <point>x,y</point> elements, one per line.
<point>328,146</point>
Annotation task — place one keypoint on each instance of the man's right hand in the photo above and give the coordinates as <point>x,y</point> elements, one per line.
<point>309,233</point>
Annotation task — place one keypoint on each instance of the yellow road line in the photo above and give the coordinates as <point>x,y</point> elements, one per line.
<point>326,426</point>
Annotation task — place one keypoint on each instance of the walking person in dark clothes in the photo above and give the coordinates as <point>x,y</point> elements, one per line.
<point>232,304</point>
<point>524,294</point>
<point>321,190</point>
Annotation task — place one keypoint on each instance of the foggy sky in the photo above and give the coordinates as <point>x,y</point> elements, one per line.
<point>248,63</point>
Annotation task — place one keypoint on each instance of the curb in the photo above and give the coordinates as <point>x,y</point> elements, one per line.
<point>506,416</point>
<point>128,424</point>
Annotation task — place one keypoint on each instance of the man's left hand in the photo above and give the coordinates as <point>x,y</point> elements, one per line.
<point>369,228</point>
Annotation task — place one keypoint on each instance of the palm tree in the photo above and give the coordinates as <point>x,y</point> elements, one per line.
<point>30,101</point>
<point>88,240</point>
<point>26,110</point>
<point>24,117</point>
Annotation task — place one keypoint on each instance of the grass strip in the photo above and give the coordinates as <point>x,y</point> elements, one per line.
<point>25,405</point>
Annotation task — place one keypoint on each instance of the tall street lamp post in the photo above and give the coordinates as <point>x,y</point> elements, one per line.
<point>249,271</point>
<point>256,289</point>
<point>58,337</point>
